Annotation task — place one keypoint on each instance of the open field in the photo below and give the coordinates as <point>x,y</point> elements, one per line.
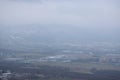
<point>82,67</point>
<point>23,71</point>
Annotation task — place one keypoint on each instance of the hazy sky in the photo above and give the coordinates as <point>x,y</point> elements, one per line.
<point>97,20</point>
<point>90,13</point>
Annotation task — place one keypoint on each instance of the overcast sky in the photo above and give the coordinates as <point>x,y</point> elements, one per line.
<point>77,20</point>
<point>97,13</point>
<point>89,16</point>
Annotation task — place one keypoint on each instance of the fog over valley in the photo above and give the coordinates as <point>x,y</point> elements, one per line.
<point>59,40</point>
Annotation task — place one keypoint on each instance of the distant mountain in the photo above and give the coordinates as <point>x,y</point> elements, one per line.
<point>32,36</point>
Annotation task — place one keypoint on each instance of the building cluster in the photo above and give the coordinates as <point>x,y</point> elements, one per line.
<point>5,75</point>
<point>110,58</point>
